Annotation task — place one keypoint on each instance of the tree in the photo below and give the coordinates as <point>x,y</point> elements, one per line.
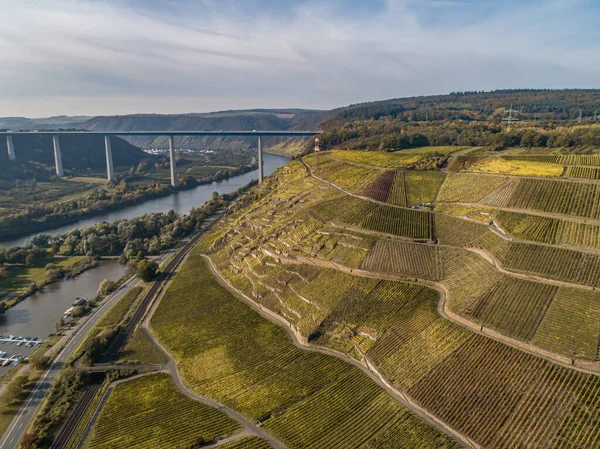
<point>147,270</point>
<point>16,389</point>
<point>30,260</point>
<point>60,324</point>
<point>106,286</point>
<point>39,361</point>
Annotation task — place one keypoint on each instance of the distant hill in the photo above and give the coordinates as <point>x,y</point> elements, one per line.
<point>28,124</point>
<point>528,104</point>
<point>264,119</point>
<point>78,152</point>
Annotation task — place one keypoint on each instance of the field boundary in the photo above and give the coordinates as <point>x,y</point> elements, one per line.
<point>302,343</point>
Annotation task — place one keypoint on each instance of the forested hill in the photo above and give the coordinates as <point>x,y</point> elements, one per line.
<point>78,152</point>
<point>264,119</point>
<point>528,104</point>
<point>564,119</point>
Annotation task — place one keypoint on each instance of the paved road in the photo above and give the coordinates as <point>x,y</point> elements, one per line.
<point>16,429</point>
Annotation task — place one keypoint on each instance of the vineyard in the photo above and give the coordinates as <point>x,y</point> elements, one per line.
<point>454,231</point>
<point>405,187</point>
<point>150,410</point>
<point>515,307</point>
<point>583,172</point>
<point>141,351</point>
<point>571,324</point>
<point>551,230</point>
<point>554,263</point>
<point>495,394</point>
<point>415,224</point>
<point>517,167</point>
<point>468,188</point>
<point>411,259</point>
<point>560,197</point>
<point>229,352</point>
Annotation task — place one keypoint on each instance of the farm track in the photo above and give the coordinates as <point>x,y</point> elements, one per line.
<point>302,342</point>
<point>444,311</point>
<point>74,419</point>
<point>143,313</point>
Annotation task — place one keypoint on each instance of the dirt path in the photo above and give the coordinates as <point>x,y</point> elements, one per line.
<point>444,310</point>
<point>367,367</point>
<point>250,429</point>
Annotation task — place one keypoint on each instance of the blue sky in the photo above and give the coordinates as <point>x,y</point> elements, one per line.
<point>166,56</point>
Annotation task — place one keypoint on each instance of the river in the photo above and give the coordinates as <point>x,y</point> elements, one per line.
<point>181,202</point>
<point>37,315</point>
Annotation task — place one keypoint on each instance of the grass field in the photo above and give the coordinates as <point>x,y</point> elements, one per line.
<point>118,312</point>
<point>21,277</point>
<point>306,400</point>
<point>150,411</point>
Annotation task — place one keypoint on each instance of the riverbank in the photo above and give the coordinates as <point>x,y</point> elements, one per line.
<point>15,228</point>
<point>181,201</point>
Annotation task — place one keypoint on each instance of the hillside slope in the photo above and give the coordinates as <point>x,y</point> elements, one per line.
<point>78,152</point>
<point>479,328</point>
<point>270,120</point>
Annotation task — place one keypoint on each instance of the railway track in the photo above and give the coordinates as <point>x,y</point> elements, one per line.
<point>127,332</point>
<point>69,427</point>
<point>67,431</point>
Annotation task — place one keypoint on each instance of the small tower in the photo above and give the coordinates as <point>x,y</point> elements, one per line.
<point>317,149</point>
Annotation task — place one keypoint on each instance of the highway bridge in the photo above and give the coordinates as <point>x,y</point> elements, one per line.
<point>110,172</point>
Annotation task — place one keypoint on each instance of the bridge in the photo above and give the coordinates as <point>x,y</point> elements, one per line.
<point>110,172</point>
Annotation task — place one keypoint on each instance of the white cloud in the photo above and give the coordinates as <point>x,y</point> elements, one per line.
<point>84,57</point>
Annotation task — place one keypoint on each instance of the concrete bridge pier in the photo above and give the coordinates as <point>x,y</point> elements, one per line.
<point>172,156</point>
<point>11,148</point>
<point>110,171</point>
<point>57,157</point>
<point>261,174</point>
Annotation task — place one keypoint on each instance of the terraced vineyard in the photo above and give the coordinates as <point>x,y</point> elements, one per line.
<point>515,307</point>
<point>554,263</point>
<point>405,187</point>
<point>284,249</point>
<point>559,197</point>
<point>415,224</point>
<point>401,257</point>
<point>227,351</point>
<point>551,230</point>
<point>468,188</point>
<point>151,411</point>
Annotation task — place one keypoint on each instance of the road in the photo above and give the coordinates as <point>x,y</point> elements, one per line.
<point>22,420</point>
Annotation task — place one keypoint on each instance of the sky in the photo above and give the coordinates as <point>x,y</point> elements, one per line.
<point>105,57</point>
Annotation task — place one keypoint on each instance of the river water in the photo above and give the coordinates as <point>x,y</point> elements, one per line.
<point>37,315</point>
<point>181,202</point>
